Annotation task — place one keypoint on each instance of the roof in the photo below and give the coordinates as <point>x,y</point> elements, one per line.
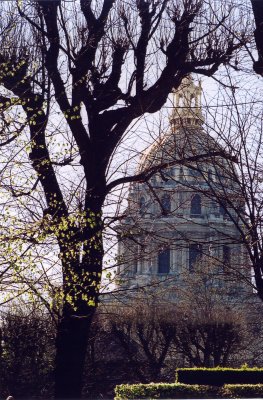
<point>180,145</point>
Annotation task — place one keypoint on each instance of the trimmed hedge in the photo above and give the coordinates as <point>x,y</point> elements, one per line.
<point>219,376</point>
<point>184,391</point>
<point>241,391</point>
<point>164,391</point>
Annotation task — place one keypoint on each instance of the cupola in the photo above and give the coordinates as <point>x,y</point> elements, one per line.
<point>187,105</point>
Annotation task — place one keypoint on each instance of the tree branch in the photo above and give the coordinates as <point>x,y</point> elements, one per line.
<point>148,173</point>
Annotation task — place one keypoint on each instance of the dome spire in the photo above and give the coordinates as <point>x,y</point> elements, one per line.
<point>187,104</point>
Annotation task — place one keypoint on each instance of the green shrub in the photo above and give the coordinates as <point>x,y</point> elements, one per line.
<point>241,391</point>
<point>165,391</point>
<point>219,376</point>
<point>184,391</point>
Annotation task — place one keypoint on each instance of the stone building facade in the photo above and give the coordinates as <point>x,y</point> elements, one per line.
<point>178,223</point>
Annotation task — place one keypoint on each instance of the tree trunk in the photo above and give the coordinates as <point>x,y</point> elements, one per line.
<point>257,6</point>
<point>71,345</point>
<point>82,270</point>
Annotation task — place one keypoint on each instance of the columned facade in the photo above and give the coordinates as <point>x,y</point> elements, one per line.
<point>179,222</point>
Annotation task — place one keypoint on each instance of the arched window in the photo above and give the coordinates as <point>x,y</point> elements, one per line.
<point>223,210</point>
<point>195,252</point>
<point>166,204</point>
<point>226,254</point>
<point>164,261</point>
<point>142,207</point>
<point>196,205</point>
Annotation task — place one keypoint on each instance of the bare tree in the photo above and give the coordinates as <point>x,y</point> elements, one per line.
<point>74,76</point>
<point>242,204</point>
<point>234,187</point>
<point>147,333</point>
<point>213,325</point>
<point>210,343</point>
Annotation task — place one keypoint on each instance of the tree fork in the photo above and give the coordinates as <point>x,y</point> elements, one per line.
<point>81,279</point>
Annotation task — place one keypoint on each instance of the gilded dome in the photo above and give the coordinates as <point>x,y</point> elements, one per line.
<point>186,142</point>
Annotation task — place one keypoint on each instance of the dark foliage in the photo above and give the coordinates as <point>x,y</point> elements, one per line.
<point>27,355</point>
<point>219,376</point>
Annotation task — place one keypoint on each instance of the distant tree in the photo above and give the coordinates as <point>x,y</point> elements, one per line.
<point>212,331</point>
<point>158,337</point>
<point>209,342</point>
<point>147,333</point>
